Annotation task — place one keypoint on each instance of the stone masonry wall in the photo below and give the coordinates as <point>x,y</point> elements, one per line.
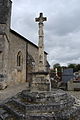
<point>17,74</point>
<point>1,53</point>
<point>33,51</point>
<point>5,12</point>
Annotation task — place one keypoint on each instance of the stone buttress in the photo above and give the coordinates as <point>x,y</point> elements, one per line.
<point>5,17</point>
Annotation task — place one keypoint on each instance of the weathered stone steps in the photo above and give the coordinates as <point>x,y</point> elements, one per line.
<point>33,106</point>
<point>46,107</point>
<point>18,104</point>
<point>41,117</point>
<point>14,112</point>
<point>13,107</point>
<point>4,115</point>
<point>22,100</point>
<point>69,114</point>
<point>21,107</point>
<point>37,98</point>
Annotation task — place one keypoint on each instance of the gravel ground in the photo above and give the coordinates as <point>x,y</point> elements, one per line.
<point>12,91</point>
<point>75,93</point>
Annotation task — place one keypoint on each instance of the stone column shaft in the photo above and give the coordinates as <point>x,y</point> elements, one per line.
<point>41,48</point>
<point>41,65</point>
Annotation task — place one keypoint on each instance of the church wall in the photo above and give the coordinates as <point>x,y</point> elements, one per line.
<point>4,48</point>
<point>17,73</point>
<point>1,53</point>
<point>5,12</point>
<point>4,57</point>
<point>33,51</point>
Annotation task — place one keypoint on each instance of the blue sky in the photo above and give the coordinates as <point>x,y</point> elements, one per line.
<point>62,30</point>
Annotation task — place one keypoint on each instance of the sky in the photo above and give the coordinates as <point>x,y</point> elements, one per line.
<point>62,28</point>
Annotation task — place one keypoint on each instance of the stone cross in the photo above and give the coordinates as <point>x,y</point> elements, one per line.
<point>41,64</point>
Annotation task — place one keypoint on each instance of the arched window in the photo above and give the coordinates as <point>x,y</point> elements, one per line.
<point>19,59</point>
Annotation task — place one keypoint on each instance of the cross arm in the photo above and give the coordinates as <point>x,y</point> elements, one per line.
<point>37,19</point>
<point>45,19</point>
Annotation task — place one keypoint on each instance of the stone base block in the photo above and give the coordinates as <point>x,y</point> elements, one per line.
<point>41,82</point>
<point>40,86</point>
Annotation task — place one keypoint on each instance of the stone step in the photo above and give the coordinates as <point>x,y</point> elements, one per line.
<point>49,108</point>
<point>45,98</point>
<point>17,114</point>
<point>16,108</point>
<point>19,104</point>
<point>21,99</point>
<point>71,113</point>
<point>28,98</point>
<point>41,117</point>
<point>16,105</point>
<point>4,115</point>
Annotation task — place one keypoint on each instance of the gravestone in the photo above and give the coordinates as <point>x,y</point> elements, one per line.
<point>67,75</point>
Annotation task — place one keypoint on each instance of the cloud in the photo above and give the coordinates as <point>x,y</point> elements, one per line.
<point>62,30</point>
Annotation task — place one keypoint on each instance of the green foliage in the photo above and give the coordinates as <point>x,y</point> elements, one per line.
<point>71,66</point>
<point>57,65</point>
<point>76,67</point>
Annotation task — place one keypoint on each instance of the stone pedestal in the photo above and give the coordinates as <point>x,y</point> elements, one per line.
<point>40,82</point>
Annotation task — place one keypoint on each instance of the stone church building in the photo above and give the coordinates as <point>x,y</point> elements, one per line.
<point>18,56</point>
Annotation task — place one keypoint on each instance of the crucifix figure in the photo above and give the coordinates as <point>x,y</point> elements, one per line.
<point>41,19</point>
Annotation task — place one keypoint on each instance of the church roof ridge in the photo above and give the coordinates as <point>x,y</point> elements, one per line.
<point>16,33</point>
<point>10,1</point>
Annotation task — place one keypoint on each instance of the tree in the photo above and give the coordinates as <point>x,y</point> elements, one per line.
<point>72,66</point>
<point>57,65</point>
<point>76,67</point>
